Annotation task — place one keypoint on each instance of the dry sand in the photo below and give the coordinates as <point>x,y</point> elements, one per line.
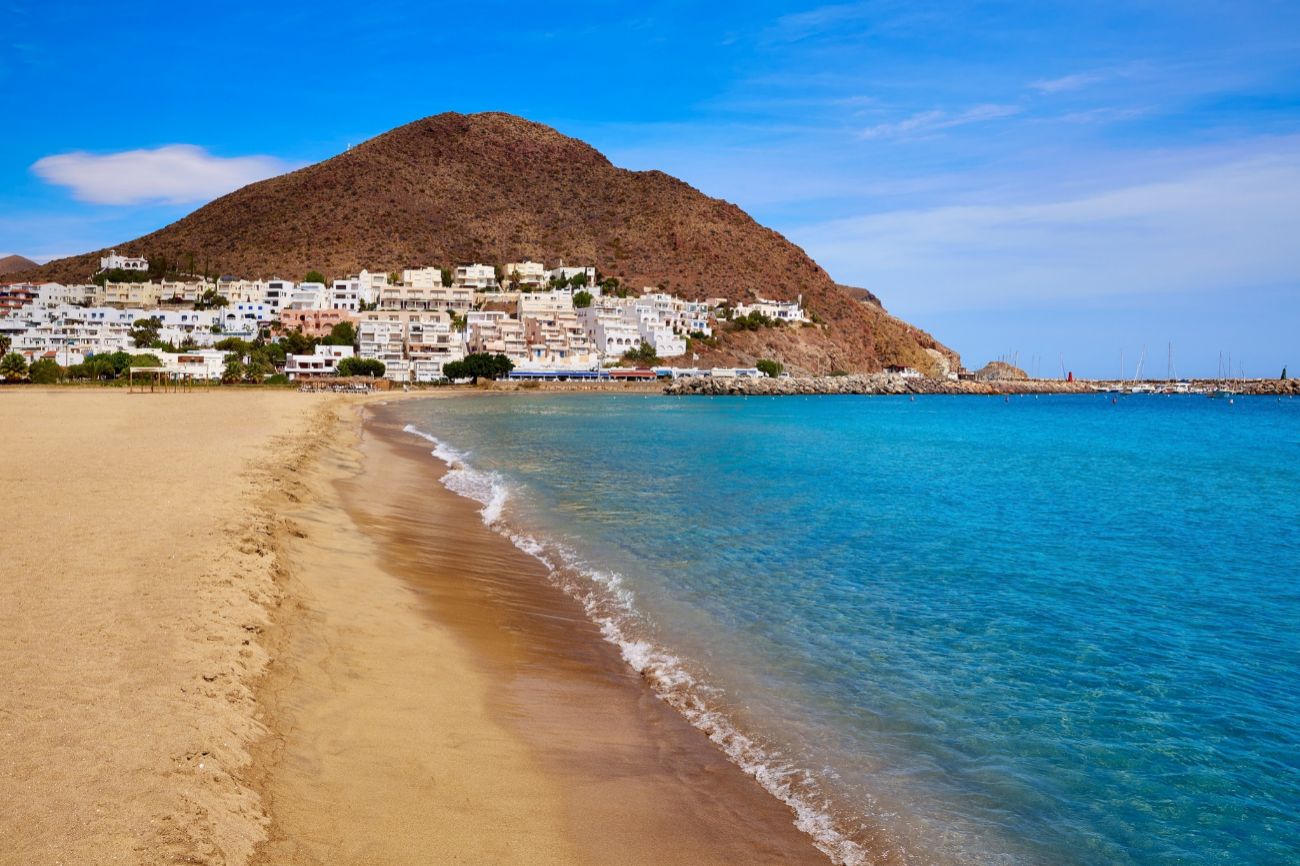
<point>239,627</point>
<point>135,575</point>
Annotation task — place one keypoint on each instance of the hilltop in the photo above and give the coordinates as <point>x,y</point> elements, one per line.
<point>494,188</point>
<point>15,263</point>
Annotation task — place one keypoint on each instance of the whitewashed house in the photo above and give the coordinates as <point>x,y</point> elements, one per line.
<point>322,363</point>
<point>113,261</point>
<point>790,312</point>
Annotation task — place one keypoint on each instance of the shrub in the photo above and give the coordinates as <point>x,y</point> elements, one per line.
<point>13,367</point>
<point>582,300</point>
<point>45,372</point>
<point>751,321</point>
<point>769,368</point>
<point>643,354</point>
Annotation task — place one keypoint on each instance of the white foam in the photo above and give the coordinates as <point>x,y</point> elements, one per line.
<point>487,488</point>
<point>611,606</point>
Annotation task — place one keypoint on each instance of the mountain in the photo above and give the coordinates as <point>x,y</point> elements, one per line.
<point>14,264</point>
<point>496,188</point>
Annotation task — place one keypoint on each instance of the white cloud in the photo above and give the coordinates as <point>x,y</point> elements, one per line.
<point>1220,227</point>
<point>927,122</point>
<point>174,174</point>
<point>1066,83</point>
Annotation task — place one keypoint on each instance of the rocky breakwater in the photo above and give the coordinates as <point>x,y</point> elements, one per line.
<point>869,383</point>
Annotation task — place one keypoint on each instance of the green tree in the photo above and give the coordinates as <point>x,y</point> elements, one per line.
<point>610,286</point>
<point>257,369</point>
<point>13,367</point>
<point>314,277</point>
<point>144,332</point>
<point>232,344</point>
<point>296,343</point>
<point>342,334</point>
<point>480,365</point>
<point>644,354</point>
<point>140,361</point>
<point>45,372</point>
<point>582,299</point>
<point>769,368</point>
<point>371,367</point>
<point>210,298</point>
<point>234,370</point>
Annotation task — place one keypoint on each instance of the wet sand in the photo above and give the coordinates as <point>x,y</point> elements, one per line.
<point>433,699</point>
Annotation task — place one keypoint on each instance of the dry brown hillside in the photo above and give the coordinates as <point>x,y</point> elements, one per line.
<point>496,188</point>
<point>14,264</point>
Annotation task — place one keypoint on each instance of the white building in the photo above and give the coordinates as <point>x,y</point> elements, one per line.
<point>382,337</point>
<point>322,363</point>
<point>455,298</point>
<point>203,364</point>
<point>308,296</point>
<point>789,312</point>
<point>113,261</point>
<point>277,294</point>
<point>544,303</point>
<point>430,343</point>
<point>525,274</point>
<point>567,273</point>
<point>612,335</point>
<point>651,317</point>
<point>476,276</point>
<point>496,333</point>
<point>684,317</point>
<point>246,317</point>
<point>422,278</point>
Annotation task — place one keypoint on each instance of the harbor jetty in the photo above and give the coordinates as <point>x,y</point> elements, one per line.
<point>869,383</point>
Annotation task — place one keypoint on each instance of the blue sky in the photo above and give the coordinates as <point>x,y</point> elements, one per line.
<point>1061,180</point>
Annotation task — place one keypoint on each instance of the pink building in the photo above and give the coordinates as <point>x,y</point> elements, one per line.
<point>315,323</point>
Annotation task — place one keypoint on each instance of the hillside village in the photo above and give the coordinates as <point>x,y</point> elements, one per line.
<point>561,322</point>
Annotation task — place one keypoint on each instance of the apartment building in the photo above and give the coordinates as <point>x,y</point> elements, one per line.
<point>477,277</point>
<point>519,275</point>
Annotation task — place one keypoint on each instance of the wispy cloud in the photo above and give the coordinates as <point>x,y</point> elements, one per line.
<point>929,122</point>
<point>1067,83</point>
<point>1231,224</point>
<point>174,174</point>
<point>800,25</point>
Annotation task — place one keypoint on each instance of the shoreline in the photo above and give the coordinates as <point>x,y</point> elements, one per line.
<point>551,750</point>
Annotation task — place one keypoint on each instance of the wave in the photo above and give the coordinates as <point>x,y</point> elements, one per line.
<point>610,604</point>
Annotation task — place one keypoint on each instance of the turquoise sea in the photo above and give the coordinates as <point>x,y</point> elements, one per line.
<point>956,630</point>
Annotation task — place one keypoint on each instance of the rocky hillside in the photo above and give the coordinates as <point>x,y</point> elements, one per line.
<point>496,188</point>
<point>14,264</point>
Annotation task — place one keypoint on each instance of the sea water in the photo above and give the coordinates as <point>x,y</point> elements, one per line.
<point>1056,630</point>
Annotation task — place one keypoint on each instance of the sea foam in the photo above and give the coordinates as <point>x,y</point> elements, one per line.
<point>611,605</point>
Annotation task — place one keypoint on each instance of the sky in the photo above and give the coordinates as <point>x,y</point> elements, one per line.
<point>1064,184</point>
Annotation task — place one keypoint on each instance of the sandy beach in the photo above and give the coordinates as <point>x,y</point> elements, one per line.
<point>137,574</point>
<point>245,627</point>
